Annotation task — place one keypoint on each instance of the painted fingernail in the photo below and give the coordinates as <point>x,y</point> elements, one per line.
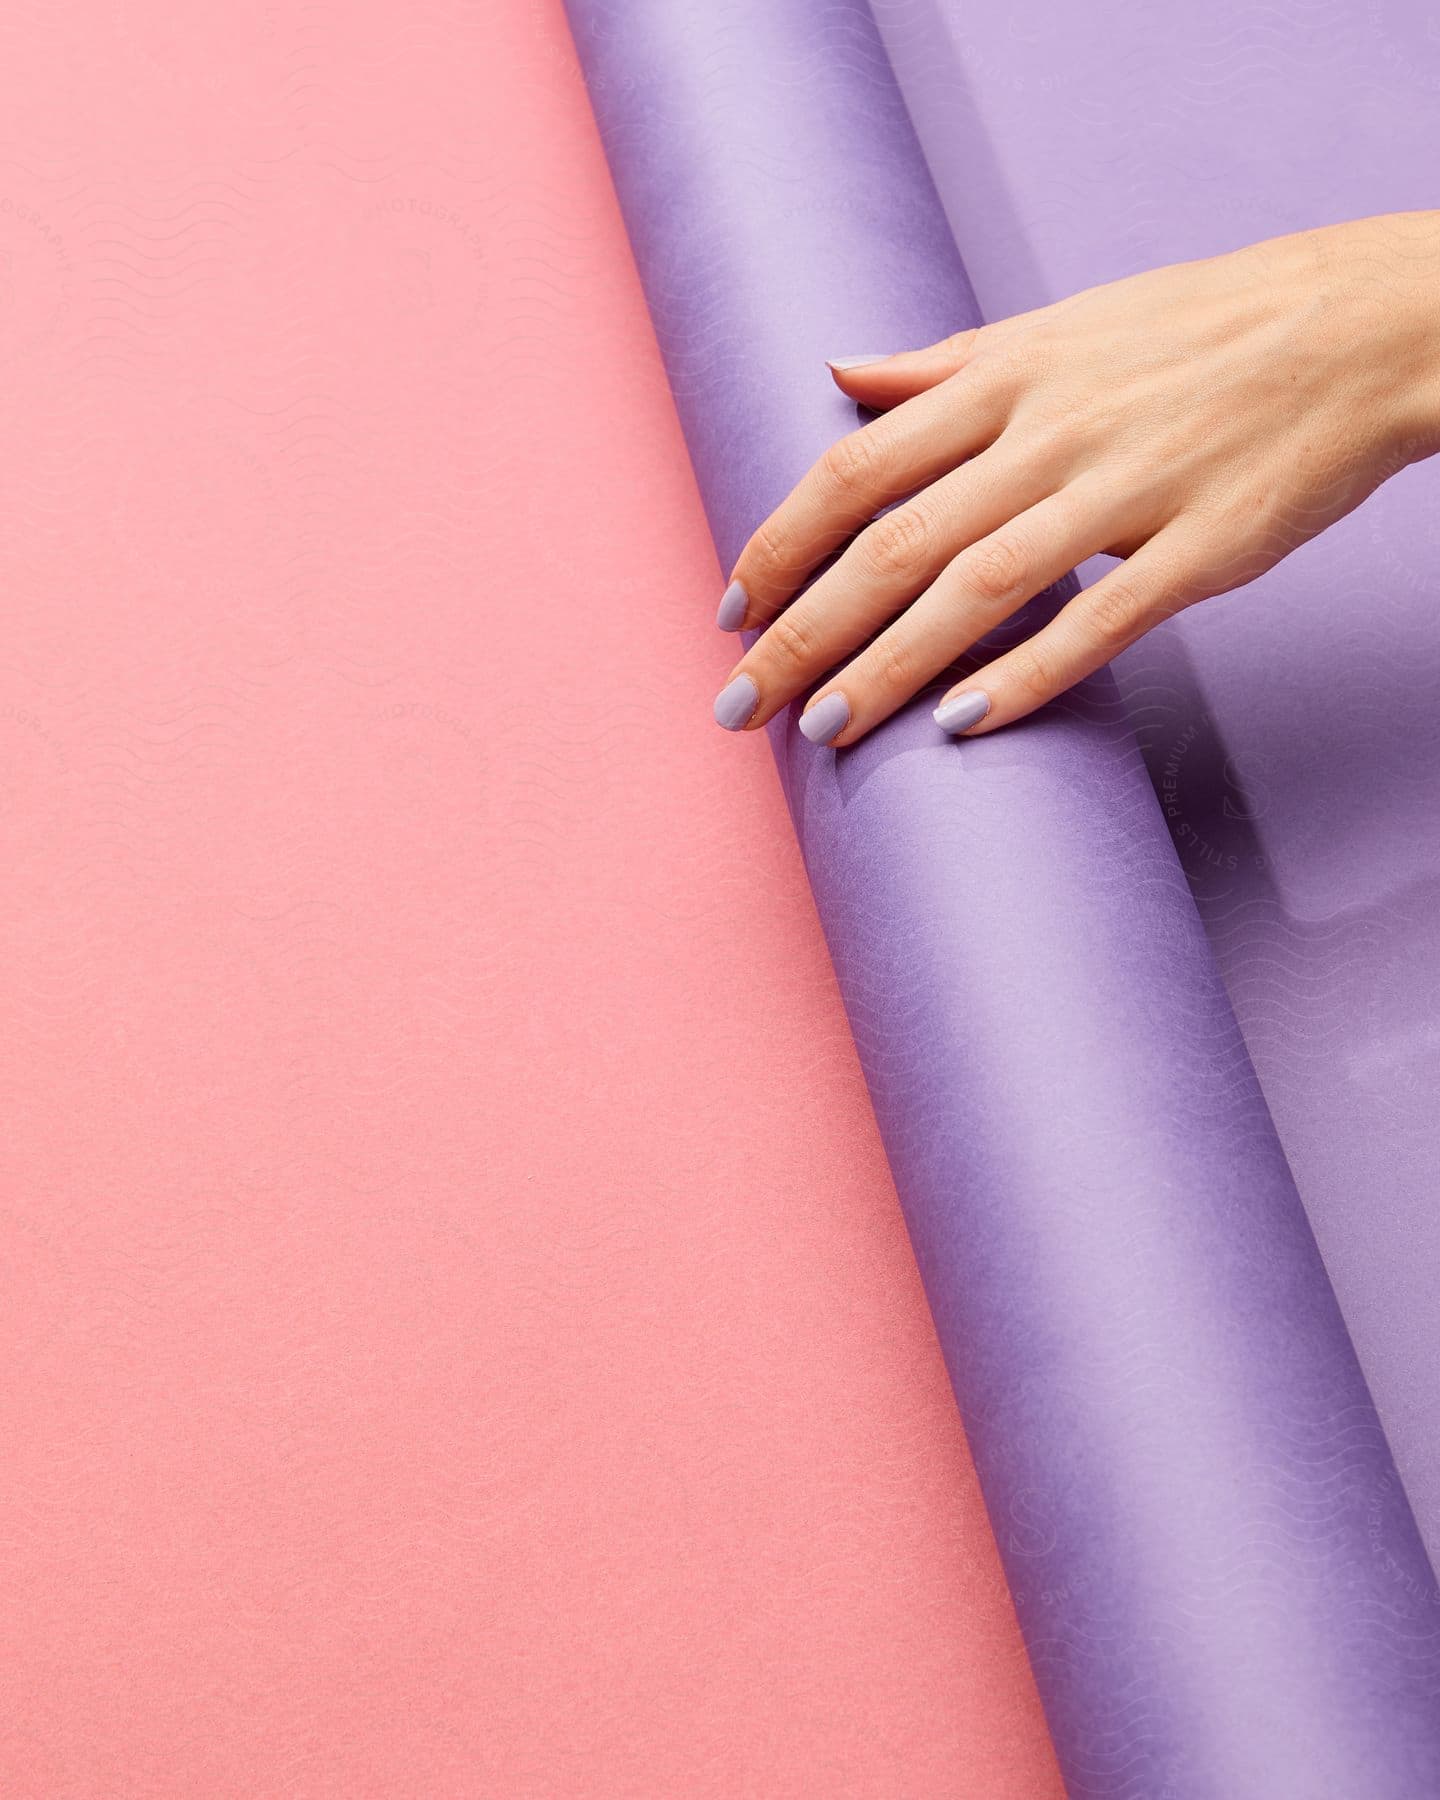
<point>826,719</point>
<point>963,711</point>
<point>733,603</point>
<point>856,362</point>
<point>735,703</point>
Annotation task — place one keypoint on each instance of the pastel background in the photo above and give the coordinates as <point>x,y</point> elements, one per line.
<point>459,1334</point>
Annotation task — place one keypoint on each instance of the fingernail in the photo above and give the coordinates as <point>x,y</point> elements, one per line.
<point>732,607</point>
<point>856,362</point>
<point>735,704</point>
<point>826,719</point>
<point>963,711</point>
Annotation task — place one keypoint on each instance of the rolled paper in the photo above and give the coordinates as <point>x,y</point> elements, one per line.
<point>1293,731</point>
<point>1214,1564</point>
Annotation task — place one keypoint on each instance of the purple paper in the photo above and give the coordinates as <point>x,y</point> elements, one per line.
<point>1213,1560</point>
<point>1293,729</point>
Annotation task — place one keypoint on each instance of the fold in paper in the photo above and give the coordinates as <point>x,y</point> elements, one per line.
<point>1214,1564</point>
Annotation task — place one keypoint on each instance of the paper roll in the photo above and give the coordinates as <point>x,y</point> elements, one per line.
<point>1216,1570</point>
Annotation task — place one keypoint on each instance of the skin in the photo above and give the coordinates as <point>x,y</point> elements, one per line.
<point>1198,422</point>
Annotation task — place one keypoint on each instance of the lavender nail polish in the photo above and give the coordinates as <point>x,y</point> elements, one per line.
<point>855,362</point>
<point>826,719</point>
<point>963,711</point>
<point>733,603</point>
<point>735,703</point>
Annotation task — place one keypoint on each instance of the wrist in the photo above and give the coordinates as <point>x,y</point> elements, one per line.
<point>1426,436</point>
<point>1398,265</point>
<point>1375,288</point>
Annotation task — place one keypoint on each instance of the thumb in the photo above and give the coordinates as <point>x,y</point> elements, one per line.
<point>882,381</point>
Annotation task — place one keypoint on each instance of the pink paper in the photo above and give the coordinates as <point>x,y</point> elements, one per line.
<point>460,1336</point>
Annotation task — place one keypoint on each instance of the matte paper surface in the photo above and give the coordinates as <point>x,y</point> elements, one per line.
<point>1219,1577</point>
<point>1292,729</point>
<point>458,1337</point>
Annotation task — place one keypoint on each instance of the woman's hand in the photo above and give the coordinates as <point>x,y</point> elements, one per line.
<point>1199,421</point>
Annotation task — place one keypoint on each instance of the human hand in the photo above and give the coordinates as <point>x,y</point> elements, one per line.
<point>1199,421</point>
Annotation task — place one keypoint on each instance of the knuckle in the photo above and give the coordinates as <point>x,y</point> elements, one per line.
<point>901,541</point>
<point>1049,441</point>
<point>791,642</point>
<point>1004,367</point>
<point>996,569</point>
<point>850,461</point>
<point>1033,358</point>
<point>1114,610</point>
<point>892,665</point>
<point>1033,672</point>
<point>1076,410</point>
<point>770,547</point>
